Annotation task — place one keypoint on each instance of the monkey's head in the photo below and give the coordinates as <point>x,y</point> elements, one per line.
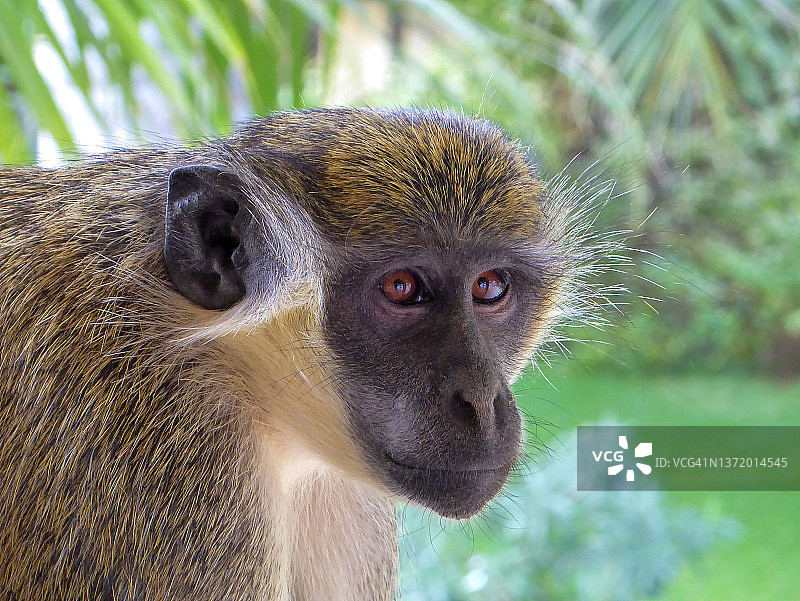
<point>436,281</point>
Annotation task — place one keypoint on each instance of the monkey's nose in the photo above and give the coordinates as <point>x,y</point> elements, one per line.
<point>483,410</point>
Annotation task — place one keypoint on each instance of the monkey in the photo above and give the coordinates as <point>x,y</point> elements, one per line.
<point>223,364</point>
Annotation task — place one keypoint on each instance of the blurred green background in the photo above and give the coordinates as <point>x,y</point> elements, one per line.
<point>693,106</point>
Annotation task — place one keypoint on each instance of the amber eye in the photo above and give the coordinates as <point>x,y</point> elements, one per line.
<point>489,287</point>
<point>401,287</point>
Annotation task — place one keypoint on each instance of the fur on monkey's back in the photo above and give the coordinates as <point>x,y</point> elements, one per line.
<point>109,430</point>
<point>110,426</point>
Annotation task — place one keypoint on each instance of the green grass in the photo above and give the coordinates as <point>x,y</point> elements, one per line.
<point>761,563</point>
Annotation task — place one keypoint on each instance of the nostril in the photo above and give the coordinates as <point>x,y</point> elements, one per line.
<point>465,411</point>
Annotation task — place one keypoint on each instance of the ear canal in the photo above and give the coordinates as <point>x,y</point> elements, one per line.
<point>203,250</point>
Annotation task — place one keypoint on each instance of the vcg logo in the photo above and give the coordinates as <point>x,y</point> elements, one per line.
<point>617,457</point>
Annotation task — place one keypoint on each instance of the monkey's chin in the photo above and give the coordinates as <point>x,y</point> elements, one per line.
<point>456,494</point>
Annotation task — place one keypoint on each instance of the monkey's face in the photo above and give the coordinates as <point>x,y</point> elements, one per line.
<point>425,345</point>
<point>436,295</point>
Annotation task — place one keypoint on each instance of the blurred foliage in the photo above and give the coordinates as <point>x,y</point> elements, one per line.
<point>728,278</point>
<point>198,57</point>
<point>558,544</point>
<point>695,104</point>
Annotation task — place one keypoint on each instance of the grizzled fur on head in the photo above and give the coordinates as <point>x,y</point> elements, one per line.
<point>416,177</point>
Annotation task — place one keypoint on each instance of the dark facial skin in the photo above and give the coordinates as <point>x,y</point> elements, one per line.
<point>426,383</point>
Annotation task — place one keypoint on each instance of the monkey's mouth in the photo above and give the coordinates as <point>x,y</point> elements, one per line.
<point>452,492</point>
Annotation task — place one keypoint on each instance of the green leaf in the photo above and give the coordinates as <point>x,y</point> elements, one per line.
<point>13,146</point>
<point>16,51</point>
<point>124,26</point>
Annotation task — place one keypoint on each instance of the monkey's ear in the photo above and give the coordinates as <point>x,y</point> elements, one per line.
<point>206,215</point>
